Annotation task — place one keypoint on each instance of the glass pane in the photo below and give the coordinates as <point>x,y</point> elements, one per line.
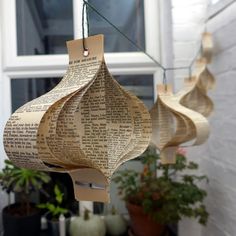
<point>127,15</point>
<point>24,90</point>
<point>140,85</point>
<point>44,26</point>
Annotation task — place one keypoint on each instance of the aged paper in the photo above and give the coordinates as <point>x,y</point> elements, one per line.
<point>86,126</point>
<point>174,124</point>
<point>196,98</point>
<point>179,120</point>
<point>207,46</point>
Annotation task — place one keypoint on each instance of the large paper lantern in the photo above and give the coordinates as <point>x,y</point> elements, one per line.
<point>86,126</point>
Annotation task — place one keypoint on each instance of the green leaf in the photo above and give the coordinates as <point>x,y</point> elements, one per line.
<point>168,197</point>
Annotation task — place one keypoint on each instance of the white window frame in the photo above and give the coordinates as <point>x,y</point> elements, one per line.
<point>120,62</point>
<point>13,66</point>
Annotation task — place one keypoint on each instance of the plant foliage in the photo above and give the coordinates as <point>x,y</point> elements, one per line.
<point>169,197</point>
<point>55,207</point>
<point>22,181</point>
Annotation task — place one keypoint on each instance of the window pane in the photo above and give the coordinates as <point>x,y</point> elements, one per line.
<point>127,15</point>
<point>43,26</point>
<point>24,90</point>
<point>140,85</point>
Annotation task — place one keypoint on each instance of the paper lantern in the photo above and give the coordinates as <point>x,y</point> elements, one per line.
<point>174,124</point>
<point>202,81</point>
<point>86,126</point>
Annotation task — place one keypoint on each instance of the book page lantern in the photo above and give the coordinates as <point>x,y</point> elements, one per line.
<point>87,126</point>
<point>197,98</point>
<point>174,125</point>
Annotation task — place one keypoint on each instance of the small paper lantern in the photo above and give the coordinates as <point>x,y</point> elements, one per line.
<point>203,80</point>
<point>174,124</point>
<point>86,126</point>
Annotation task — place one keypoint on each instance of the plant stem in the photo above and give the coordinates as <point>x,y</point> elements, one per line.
<point>166,172</point>
<point>113,210</point>
<point>86,214</point>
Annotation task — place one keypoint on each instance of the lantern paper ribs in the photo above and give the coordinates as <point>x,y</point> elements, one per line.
<point>174,124</point>
<point>86,126</point>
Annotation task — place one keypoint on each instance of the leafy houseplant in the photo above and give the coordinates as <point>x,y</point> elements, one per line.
<point>54,210</point>
<point>165,199</point>
<point>23,182</point>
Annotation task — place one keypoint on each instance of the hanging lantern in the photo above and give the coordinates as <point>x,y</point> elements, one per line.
<point>87,126</point>
<point>197,98</point>
<point>174,124</point>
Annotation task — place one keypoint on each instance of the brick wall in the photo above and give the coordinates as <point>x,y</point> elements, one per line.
<point>217,157</point>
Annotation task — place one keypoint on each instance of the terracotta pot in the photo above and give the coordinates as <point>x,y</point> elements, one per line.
<point>142,224</point>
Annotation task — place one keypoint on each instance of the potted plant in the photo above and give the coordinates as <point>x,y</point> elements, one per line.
<point>23,217</point>
<point>154,202</point>
<point>55,209</point>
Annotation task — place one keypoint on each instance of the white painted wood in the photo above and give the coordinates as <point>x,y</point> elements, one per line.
<point>166,37</point>
<point>77,9</point>
<point>152,29</point>
<point>53,62</point>
<point>8,17</point>
<point>83,205</point>
<point>3,195</point>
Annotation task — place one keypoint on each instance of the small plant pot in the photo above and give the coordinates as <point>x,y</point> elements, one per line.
<point>53,225</point>
<point>142,224</point>
<point>19,225</point>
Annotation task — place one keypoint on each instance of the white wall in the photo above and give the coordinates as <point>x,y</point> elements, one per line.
<point>188,24</point>
<point>220,161</point>
<point>217,155</point>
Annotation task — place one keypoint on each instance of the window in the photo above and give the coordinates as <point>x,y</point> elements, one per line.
<point>43,26</point>
<point>130,20</point>
<point>34,53</point>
